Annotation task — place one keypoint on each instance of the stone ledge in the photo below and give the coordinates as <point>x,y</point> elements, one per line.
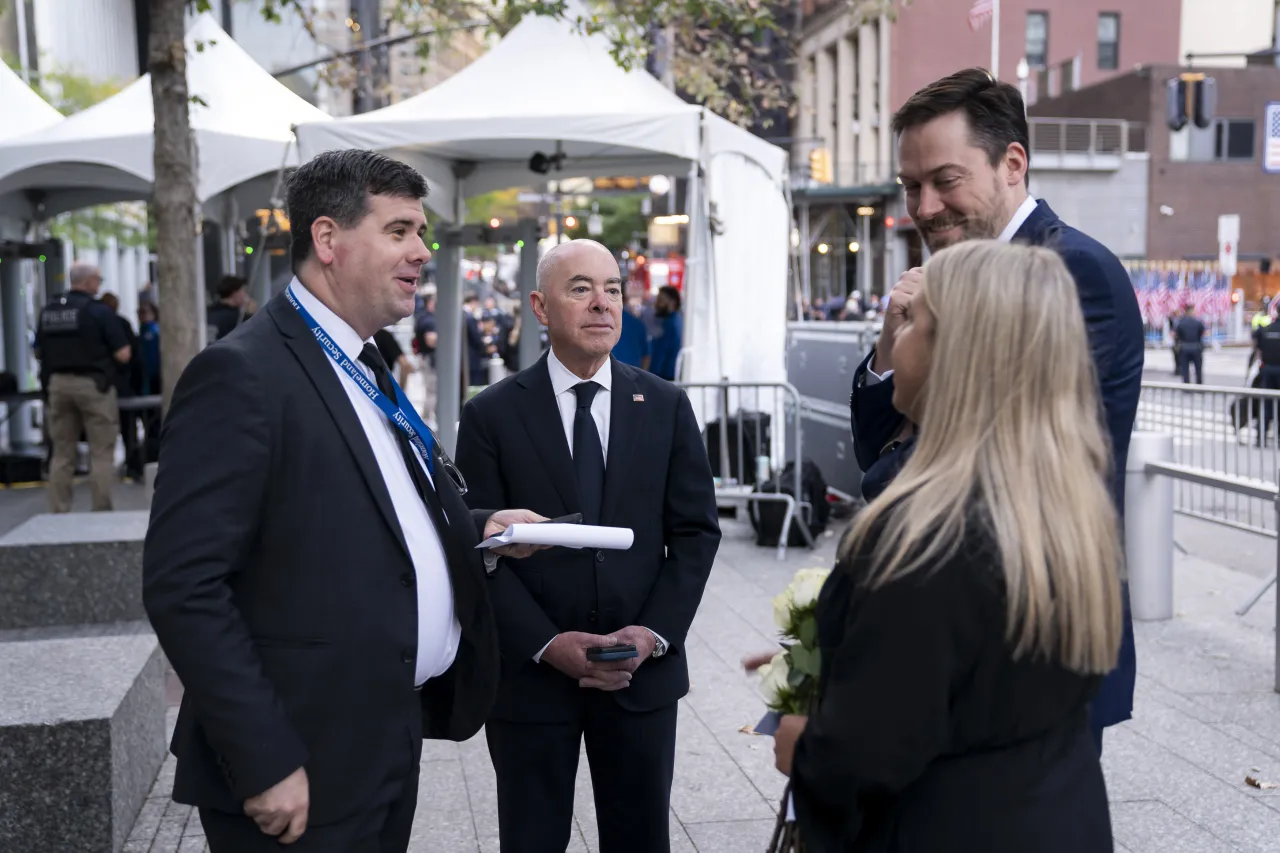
<point>81,740</point>
<point>73,569</point>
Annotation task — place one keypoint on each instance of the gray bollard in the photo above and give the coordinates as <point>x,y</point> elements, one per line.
<point>1148,527</point>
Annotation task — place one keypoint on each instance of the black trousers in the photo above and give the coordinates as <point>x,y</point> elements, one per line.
<point>382,826</point>
<point>1188,356</point>
<point>632,758</point>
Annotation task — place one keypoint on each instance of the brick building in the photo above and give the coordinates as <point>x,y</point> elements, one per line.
<point>855,69</point>
<point>1194,175</point>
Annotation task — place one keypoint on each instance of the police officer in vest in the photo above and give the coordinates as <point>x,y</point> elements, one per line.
<point>80,343</point>
<point>1266,340</point>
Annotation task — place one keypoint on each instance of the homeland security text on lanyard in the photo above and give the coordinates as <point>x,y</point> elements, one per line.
<point>401,413</point>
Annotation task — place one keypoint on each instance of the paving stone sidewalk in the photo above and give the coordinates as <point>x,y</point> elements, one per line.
<point>1207,717</point>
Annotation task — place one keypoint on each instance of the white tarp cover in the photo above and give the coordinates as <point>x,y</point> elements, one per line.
<point>545,84</point>
<point>105,153</point>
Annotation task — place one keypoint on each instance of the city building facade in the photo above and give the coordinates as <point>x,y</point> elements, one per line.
<point>1195,174</point>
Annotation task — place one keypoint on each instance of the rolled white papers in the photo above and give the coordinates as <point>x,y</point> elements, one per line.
<point>563,536</point>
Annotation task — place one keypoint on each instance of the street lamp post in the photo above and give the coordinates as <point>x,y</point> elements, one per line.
<point>1024,71</point>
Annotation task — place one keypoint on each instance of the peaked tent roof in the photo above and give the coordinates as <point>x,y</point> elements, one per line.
<point>105,153</point>
<point>24,111</point>
<point>509,104</point>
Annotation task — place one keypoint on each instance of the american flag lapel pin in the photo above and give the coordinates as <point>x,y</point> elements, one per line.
<point>637,398</point>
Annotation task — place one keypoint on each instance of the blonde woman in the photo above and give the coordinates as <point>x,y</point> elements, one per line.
<point>976,604</point>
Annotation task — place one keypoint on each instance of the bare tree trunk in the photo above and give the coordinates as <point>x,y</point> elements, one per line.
<point>174,198</point>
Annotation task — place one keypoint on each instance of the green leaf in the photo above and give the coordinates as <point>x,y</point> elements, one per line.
<point>808,633</point>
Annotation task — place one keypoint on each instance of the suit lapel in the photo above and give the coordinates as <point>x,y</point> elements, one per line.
<point>327,384</point>
<point>541,418</point>
<point>626,417</point>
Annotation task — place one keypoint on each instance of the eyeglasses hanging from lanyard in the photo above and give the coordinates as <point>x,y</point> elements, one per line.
<point>401,412</point>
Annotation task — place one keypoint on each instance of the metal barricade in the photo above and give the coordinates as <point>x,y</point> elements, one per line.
<point>1149,527</point>
<point>1223,432</point>
<point>752,431</point>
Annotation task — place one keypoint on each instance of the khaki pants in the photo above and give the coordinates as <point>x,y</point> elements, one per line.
<point>76,404</point>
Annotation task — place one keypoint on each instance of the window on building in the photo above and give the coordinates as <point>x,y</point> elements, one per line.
<point>1233,139</point>
<point>1037,39</point>
<point>1108,41</point>
<point>1224,140</point>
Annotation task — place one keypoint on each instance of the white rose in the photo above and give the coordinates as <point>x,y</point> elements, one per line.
<point>773,679</point>
<point>807,586</point>
<point>782,604</point>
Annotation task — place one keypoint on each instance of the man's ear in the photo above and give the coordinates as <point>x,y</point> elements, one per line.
<point>538,302</point>
<point>1015,158</point>
<point>324,232</point>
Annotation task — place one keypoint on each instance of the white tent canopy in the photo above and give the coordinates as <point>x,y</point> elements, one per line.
<point>24,110</point>
<point>243,127</point>
<point>476,131</point>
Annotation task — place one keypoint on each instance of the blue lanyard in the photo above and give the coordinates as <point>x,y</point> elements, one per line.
<point>401,414</point>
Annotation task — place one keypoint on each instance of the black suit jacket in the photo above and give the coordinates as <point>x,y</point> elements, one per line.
<point>512,447</point>
<point>279,583</point>
<point>1116,343</point>
<point>929,736</point>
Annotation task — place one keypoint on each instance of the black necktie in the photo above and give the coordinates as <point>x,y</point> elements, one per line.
<point>373,359</point>
<point>588,455</point>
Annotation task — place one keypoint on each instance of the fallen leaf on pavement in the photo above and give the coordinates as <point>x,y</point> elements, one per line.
<point>748,730</point>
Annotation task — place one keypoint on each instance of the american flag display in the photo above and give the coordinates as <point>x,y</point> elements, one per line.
<point>1165,287</point>
<point>1271,137</point>
<point>980,13</point>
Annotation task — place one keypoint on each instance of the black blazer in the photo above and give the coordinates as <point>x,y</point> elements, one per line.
<point>930,737</point>
<point>280,586</point>
<point>1116,343</point>
<point>512,447</point>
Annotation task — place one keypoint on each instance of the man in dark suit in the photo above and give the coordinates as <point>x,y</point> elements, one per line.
<point>581,432</point>
<point>963,158</point>
<point>310,568</point>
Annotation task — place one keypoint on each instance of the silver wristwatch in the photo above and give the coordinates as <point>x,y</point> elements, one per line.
<point>659,647</point>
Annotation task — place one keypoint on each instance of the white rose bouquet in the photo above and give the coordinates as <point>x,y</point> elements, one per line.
<point>789,683</point>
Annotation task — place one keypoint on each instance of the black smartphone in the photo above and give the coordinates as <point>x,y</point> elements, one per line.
<point>607,653</point>
<point>573,518</point>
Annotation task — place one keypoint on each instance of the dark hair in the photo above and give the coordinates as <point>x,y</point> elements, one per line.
<point>230,284</point>
<point>672,294</point>
<point>993,109</point>
<point>338,184</point>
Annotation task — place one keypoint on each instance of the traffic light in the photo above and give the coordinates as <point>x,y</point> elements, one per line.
<point>1190,97</point>
<point>820,166</point>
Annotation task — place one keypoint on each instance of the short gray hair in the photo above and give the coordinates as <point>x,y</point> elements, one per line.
<point>80,273</point>
<point>548,260</point>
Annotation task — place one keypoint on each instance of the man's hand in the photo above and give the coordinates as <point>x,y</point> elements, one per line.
<point>894,315</point>
<point>784,741</point>
<point>282,808</point>
<point>604,674</point>
<point>504,518</point>
<point>568,653</point>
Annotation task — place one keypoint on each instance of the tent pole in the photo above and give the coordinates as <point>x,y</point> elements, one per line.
<point>449,326</point>
<point>529,347</point>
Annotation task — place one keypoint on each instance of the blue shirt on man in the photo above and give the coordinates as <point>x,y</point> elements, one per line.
<point>633,344</point>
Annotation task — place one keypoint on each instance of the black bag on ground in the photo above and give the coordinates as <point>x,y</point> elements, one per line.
<point>756,440</point>
<point>766,516</point>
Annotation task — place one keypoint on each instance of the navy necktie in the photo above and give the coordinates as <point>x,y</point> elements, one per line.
<point>588,455</point>
<point>382,377</point>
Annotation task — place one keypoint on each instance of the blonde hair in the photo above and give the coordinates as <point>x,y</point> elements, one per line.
<point>1011,427</point>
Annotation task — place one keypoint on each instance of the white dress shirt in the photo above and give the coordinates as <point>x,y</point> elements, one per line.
<point>438,630</point>
<point>563,382</point>
<point>1020,217</point>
